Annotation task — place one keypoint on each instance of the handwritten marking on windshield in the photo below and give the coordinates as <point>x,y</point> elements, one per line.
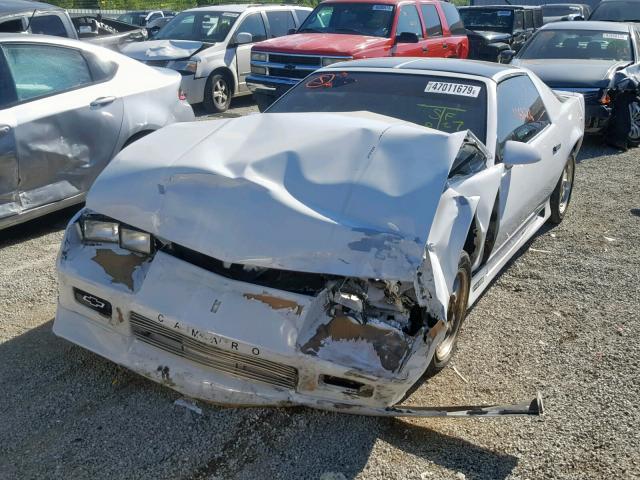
<point>443,118</point>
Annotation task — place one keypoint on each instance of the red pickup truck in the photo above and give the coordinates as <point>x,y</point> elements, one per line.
<point>339,30</point>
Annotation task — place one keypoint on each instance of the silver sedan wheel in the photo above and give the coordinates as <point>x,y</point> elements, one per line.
<point>455,315</point>
<point>634,117</point>
<point>566,183</point>
<point>220,93</point>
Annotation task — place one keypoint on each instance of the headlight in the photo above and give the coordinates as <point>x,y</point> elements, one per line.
<point>258,56</point>
<point>189,66</point>
<point>135,240</point>
<point>258,70</point>
<point>326,61</point>
<point>100,231</point>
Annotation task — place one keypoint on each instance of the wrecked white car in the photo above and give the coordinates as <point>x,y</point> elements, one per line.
<point>330,266</point>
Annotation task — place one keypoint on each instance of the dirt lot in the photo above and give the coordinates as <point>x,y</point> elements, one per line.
<point>562,318</point>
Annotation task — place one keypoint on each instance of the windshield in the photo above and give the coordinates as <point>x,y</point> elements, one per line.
<point>208,27</point>
<point>369,19</point>
<point>501,20</point>
<point>617,11</point>
<point>578,44</point>
<point>133,18</point>
<point>442,103</point>
<point>559,10</point>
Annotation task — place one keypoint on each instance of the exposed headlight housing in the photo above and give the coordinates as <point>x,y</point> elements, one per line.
<point>104,230</point>
<point>326,61</point>
<point>135,240</point>
<point>259,56</point>
<point>100,231</point>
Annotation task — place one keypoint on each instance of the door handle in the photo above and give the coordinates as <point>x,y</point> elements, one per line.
<point>4,129</point>
<point>445,45</point>
<point>425,49</point>
<point>556,149</point>
<point>102,101</point>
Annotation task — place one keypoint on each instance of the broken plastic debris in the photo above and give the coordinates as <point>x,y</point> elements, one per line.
<point>539,251</point>
<point>609,239</point>
<point>460,375</point>
<point>188,404</point>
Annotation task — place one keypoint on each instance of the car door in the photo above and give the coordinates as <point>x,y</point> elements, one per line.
<point>408,22</point>
<point>457,33</point>
<point>522,116</point>
<point>253,24</point>
<point>66,119</point>
<point>433,27</point>
<point>9,199</point>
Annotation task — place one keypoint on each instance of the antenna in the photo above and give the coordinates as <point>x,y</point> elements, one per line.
<point>30,19</point>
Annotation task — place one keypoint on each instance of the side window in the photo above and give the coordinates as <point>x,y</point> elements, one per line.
<point>12,26</point>
<point>302,15</point>
<point>518,20</point>
<point>528,19</point>
<point>409,21</point>
<point>431,20</point>
<point>456,27</point>
<point>154,16</point>
<point>521,112</point>
<point>48,25</point>
<point>101,69</point>
<point>43,70</point>
<point>254,25</point>
<point>7,88</point>
<point>280,23</point>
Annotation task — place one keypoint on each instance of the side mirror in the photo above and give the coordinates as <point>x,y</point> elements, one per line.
<point>518,153</point>
<point>291,31</point>
<point>407,37</point>
<point>244,38</point>
<point>505,56</point>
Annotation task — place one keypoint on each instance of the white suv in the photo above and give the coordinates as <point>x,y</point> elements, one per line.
<point>211,47</point>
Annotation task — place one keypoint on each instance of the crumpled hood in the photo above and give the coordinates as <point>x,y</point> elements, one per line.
<point>572,73</point>
<point>343,194</point>
<point>321,44</point>
<point>161,49</point>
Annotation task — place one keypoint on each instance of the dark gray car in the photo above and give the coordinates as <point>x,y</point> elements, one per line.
<point>600,60</point>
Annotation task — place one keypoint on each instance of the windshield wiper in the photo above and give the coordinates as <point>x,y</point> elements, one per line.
<point>348,30</point>
<point>307,29</point>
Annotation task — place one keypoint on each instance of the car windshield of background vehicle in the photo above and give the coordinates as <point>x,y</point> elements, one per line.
<point>617,12</point>
<point>497,20</point>
<point>137,19</point>
<point>559,10</point>
<point>579,45</point>
<point>446,104</point>
<point>207,27</point>
<point>371,19</point>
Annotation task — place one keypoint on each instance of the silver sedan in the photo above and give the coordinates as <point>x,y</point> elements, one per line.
<point>66,108</point>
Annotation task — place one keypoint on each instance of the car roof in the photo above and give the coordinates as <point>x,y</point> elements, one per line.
<point>11,7</point>
<point>477,68</point>
<point>392,2</point>
<point>241,7</point>
<point>588,25</point>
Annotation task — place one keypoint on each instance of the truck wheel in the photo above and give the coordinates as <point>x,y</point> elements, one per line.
<point>456,313</point>
<point>561,195</point>
<point>217,94</point>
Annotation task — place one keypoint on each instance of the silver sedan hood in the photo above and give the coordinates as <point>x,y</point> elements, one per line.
<point>161,49</point>
<point>344,194</point>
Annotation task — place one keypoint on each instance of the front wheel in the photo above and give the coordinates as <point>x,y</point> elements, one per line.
<point>456,314</point>
<point>633,136</point>
<point>624,128</point>
<point>561,195</point>
<point>217,94</point>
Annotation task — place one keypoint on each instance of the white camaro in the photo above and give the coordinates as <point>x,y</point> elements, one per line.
<point>308,256</point>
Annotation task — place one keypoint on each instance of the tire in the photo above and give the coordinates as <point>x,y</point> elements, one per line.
<point>561,195</point>
<point>456,314</point>
<point>217,93</point>
<point>624,127</point>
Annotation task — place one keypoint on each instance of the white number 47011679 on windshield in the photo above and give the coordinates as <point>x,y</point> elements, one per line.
<point>453,89</point>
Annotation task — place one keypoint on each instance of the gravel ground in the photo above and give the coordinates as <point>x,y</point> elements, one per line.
<point>562,319</point>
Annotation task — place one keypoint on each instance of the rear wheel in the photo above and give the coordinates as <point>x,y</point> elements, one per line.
<point>456,314</point>
<point>217,94</point>
<point>561,195</point>
<point>633,107</point>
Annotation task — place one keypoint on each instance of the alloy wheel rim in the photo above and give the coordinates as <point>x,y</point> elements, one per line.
<point>220,93</point>
<point>565,186</point>
<point>455,314</point>
<point>634,117</point>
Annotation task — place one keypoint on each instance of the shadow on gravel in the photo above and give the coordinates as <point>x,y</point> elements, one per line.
<point>594,147</point>
<point>239,102</point>
<point>37,227</point>
<point>67,413</point>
